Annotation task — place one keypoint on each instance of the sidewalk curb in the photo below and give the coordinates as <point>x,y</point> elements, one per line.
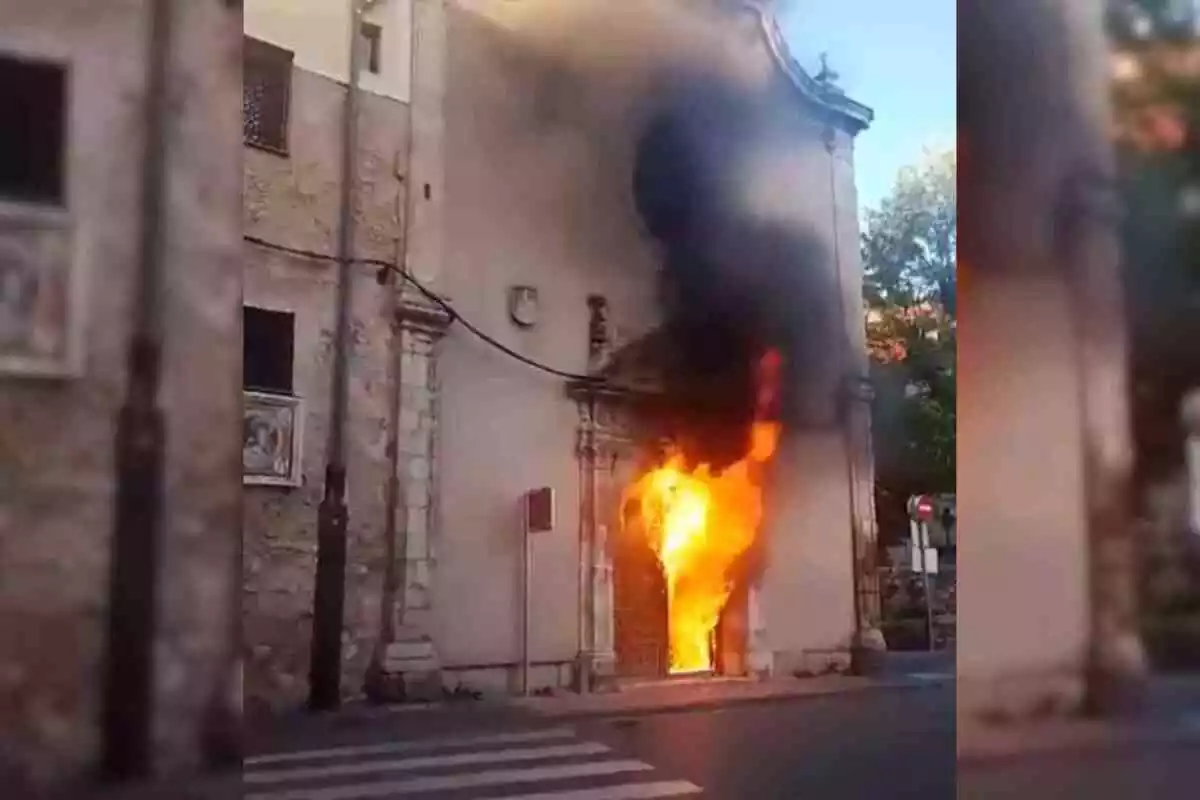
<point>1023,743</point>
<point>661,709</point>
<point>361,713</point>
<point>223,785</point>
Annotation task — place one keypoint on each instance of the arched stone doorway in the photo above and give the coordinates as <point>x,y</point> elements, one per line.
<point>624,604</point>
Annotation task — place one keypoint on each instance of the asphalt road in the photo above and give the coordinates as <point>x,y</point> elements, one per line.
<point>1157,756</point>
<point>1159,769</point>
<point>893,743</point>
<point>890,743</point>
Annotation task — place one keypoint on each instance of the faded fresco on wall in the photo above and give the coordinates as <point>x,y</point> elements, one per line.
<point>38,325</point>
<point>271,439</point>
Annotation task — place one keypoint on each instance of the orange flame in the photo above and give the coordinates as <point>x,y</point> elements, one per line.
<point>699,523</point>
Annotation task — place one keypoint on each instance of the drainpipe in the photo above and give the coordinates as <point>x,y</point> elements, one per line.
<point>325,666</point>
<point>128,700</point>
<point>849,393</point>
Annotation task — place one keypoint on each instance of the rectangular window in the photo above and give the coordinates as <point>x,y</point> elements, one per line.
<point>33,134</point>
<point>266,94</point>
<point>372,44</point>
<point>268,349</point>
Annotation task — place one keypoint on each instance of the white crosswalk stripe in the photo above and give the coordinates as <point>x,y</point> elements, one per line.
<point>547,764</point>
<point>931,677</point>
<point>413,746</point>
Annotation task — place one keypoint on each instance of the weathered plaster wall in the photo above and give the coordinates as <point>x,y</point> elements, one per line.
<point>56,438</point>
<point>806,600</point>
<point>534,196</point>
<point>293,201</point>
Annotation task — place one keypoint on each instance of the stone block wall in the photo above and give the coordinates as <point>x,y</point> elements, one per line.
<point>293,201</point>
<point>57,478</point>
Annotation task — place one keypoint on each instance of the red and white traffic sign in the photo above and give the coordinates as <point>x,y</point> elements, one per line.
<point>921,507</point>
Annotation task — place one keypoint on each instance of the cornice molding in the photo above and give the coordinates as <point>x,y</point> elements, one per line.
<point>420,314</point>
<point>838,109</point>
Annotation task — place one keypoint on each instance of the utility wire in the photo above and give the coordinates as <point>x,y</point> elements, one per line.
<point>386,266</point>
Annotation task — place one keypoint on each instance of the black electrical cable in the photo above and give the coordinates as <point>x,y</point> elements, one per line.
<point>386,266</point>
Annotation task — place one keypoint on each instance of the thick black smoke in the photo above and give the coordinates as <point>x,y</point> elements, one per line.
<point>734,282</point>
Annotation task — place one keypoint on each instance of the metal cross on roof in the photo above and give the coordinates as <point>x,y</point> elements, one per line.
<point>826,75</point>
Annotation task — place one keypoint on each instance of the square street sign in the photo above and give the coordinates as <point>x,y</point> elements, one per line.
<point>926,562</point>
<point>539,510</point>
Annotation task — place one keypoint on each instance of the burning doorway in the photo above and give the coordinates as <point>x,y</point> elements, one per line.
<point>743,303</point>
<point>628,603</point>
<point>701,524</point>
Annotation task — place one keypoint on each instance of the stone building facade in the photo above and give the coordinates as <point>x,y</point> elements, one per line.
<point>71,217</point>
<point>502,181</point>
<point>291,179</point>
<point>540,145</point>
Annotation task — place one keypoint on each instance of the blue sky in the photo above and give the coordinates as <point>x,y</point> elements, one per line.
<point>897,57</point>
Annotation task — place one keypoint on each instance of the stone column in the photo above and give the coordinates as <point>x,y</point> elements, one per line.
<point>410,666</point>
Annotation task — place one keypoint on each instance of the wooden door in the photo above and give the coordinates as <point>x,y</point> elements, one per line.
<point>639,609</point>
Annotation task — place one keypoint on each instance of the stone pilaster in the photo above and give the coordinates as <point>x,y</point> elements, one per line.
<point>869,643</point>
<point>601,444</point>
<point>760,658</point>
<point>607,450</point>
<point>604,658</point>
<point>408,655</point>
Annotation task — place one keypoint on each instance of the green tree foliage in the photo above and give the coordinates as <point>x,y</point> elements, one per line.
<point>908,250</point>
<point>1156,93</point>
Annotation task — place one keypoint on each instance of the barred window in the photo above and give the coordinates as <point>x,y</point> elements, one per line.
<point>266,90</point>
<point>33,135</point>
<point>268,350</point>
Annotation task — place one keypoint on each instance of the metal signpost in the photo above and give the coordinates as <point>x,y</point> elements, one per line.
<point>1191,424</point>
<point>537,516</point>
<point>920,511</point>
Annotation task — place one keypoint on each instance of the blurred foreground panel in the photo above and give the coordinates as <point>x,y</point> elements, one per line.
<point>1047,620</point>
<point>119,299</point>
